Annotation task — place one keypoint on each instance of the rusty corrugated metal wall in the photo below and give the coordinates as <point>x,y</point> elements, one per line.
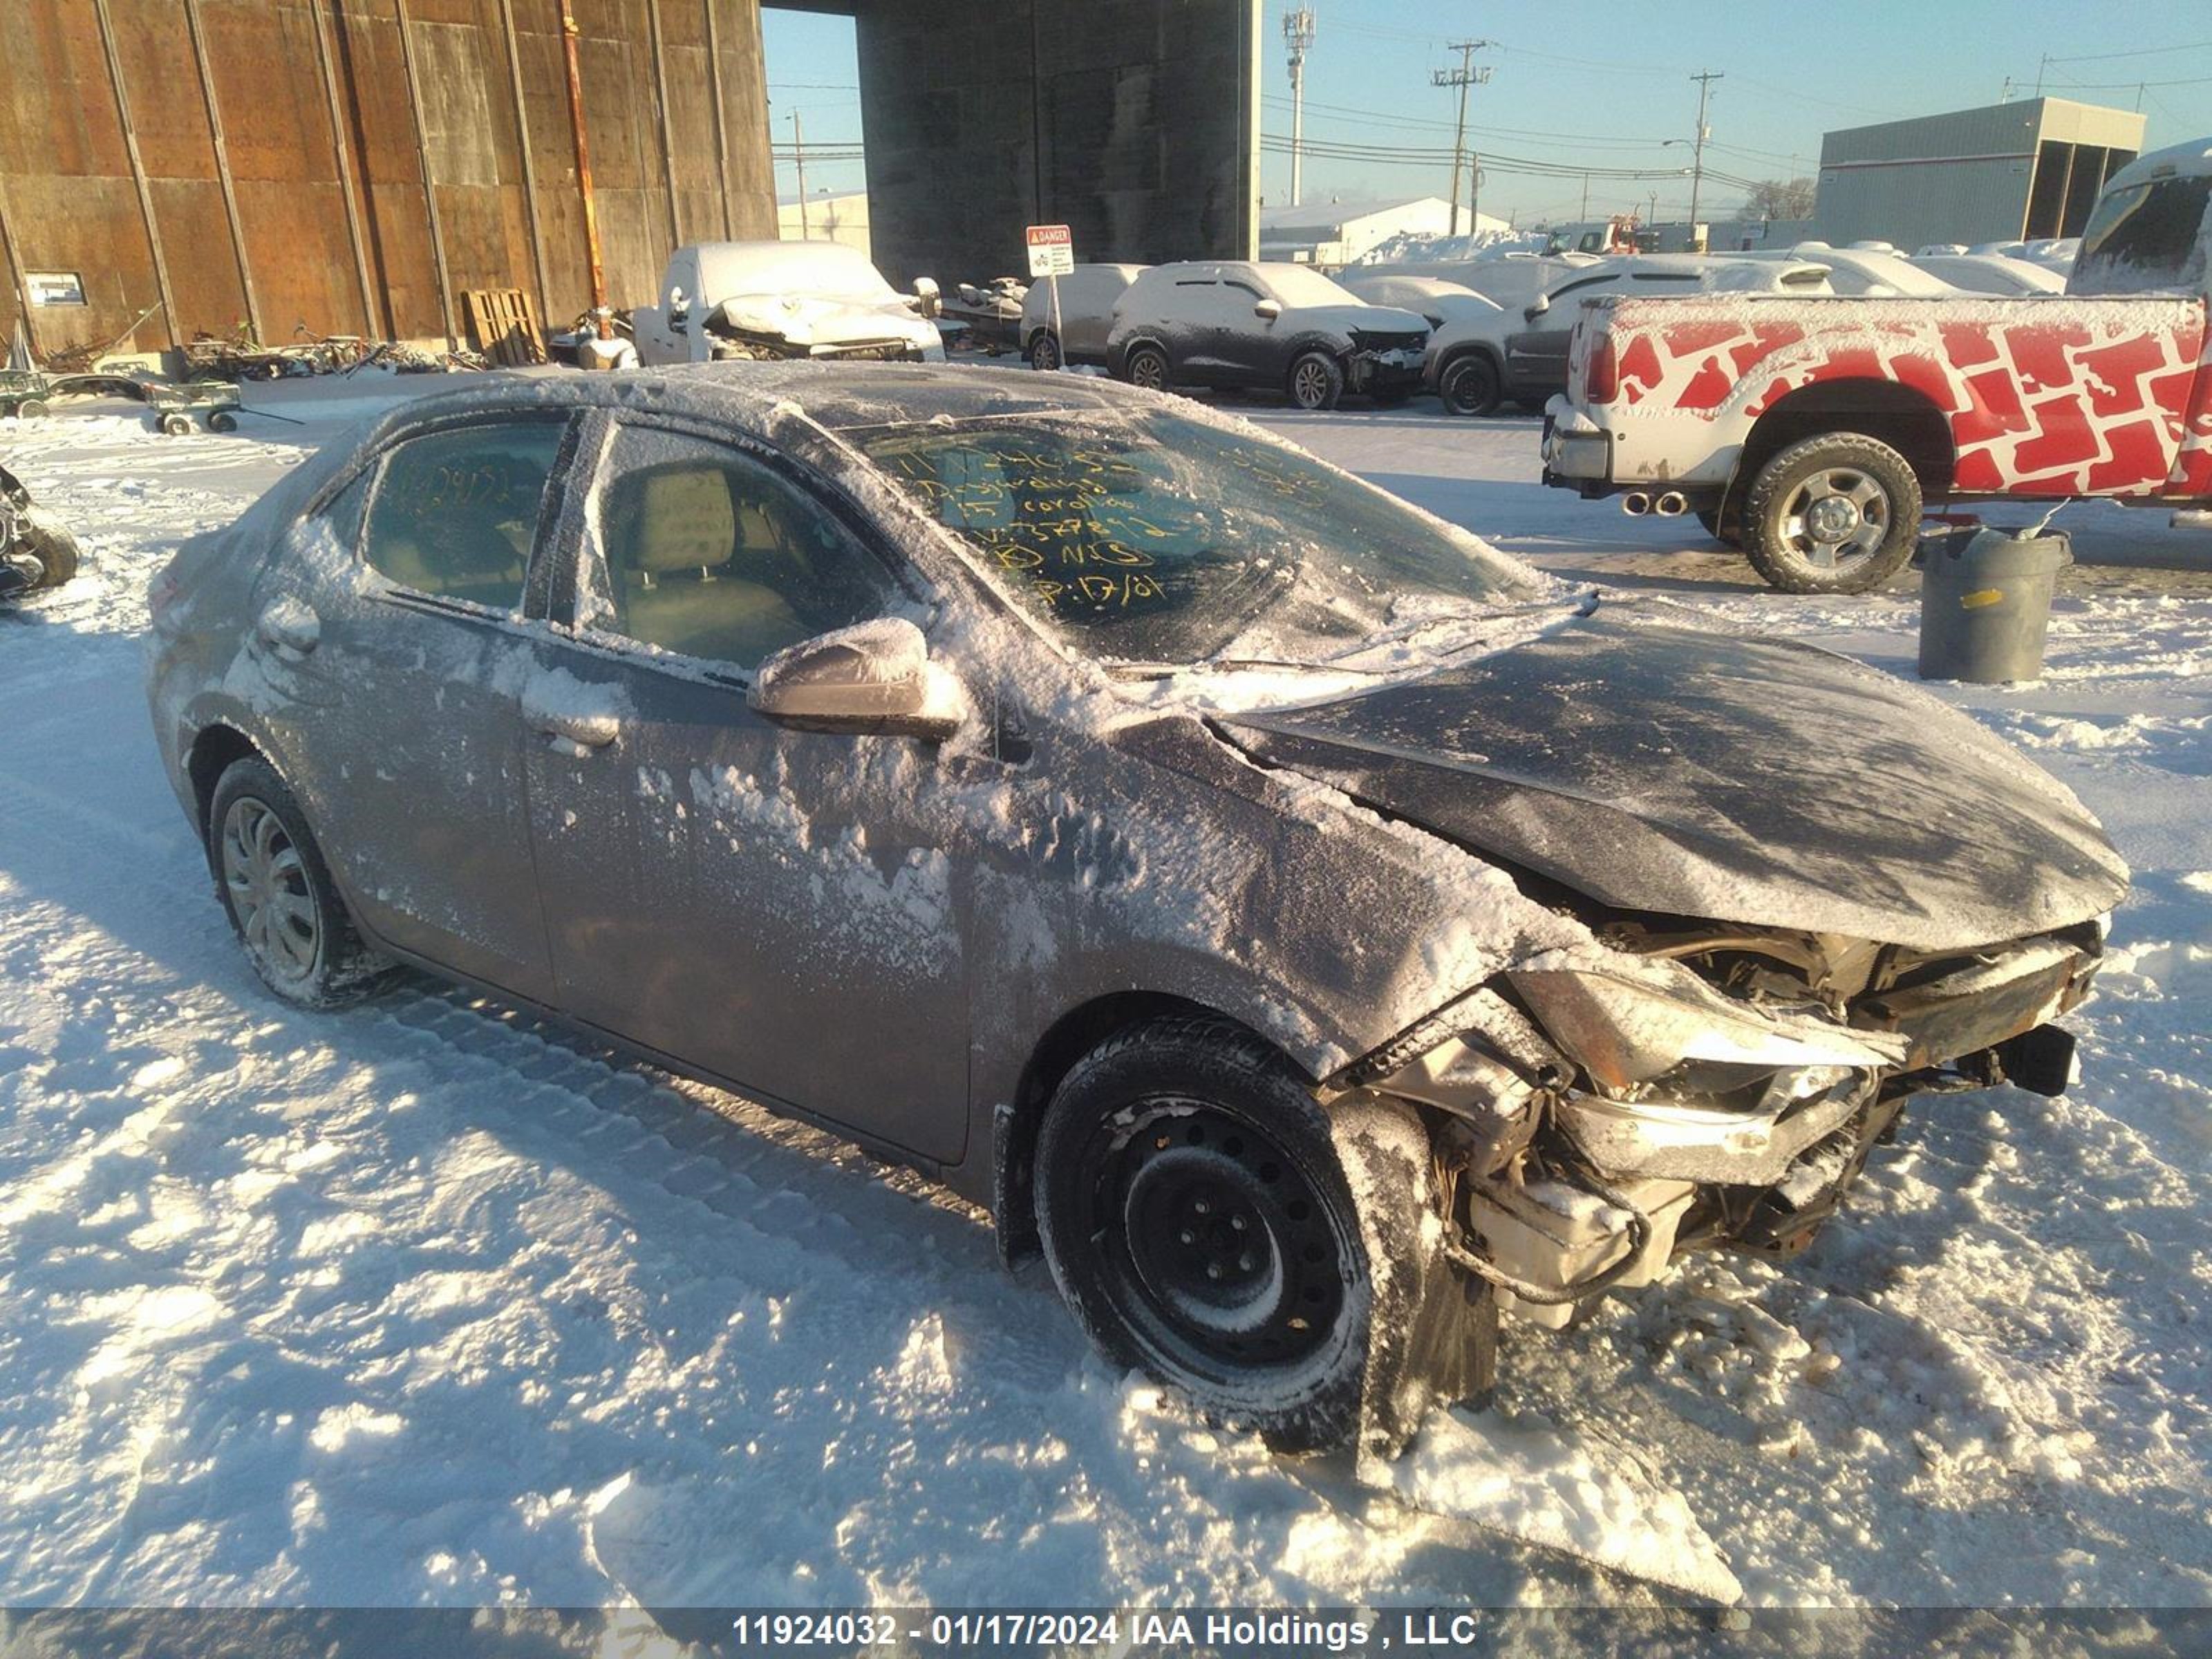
<point>237,200</point>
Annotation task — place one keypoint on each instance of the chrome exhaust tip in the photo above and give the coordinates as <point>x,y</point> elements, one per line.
<point>1671,505</point>
<point>1636,503</point>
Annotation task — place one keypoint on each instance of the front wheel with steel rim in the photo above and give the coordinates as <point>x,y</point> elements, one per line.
<point>1317,380</point>
<point>1196,1218</point>
<point>1146,366</point>
<point>1044,352</point>
<point>1836,514</point>
<point>1470,386</point>
<point>278,893</point>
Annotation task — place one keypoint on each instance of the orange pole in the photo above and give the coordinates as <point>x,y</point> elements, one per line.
<point>583,156</point>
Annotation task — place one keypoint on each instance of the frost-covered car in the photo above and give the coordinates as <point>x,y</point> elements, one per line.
<point>753,301</point>
<point>1273,326</point>
<point>1315,930</point>
<point>1085,300</point>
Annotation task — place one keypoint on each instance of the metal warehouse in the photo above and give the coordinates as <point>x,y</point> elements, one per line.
<point>2005,173</point>
<point>174,168</point>
<point>178,167</point>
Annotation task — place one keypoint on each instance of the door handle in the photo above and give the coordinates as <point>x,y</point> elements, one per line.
<point>576,732</point>
<point>289,627</point>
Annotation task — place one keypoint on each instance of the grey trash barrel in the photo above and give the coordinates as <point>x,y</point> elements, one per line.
<point>1985,603</point>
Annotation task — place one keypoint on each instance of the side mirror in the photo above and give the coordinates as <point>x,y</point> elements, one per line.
<point>875,676</point>
<point>928,300</point>
<point>1267,311</point>
<point>1537,308</point>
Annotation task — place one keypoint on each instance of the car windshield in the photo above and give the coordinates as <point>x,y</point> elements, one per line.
<point>1153,538</point>
<point>1296,285</point>
<point>2150,235</point>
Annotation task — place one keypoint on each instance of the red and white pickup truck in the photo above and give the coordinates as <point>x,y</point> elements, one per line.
<point>1812,432</point>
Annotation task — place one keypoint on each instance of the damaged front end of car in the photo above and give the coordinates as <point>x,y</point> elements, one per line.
<point>785,330</point>
<point>1593,1116</point>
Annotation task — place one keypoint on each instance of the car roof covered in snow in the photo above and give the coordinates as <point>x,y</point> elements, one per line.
<point>2188,160</point>
<point>838,396</point>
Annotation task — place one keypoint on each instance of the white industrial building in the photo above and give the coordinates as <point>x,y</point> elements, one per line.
<point>1337,233</point>
<point>826,219</point>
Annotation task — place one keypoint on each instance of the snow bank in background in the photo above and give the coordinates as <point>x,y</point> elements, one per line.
<point>1420,247</point>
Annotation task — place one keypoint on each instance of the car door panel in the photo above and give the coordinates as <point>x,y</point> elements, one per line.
<point>768,905</point>
<point>395,707</point>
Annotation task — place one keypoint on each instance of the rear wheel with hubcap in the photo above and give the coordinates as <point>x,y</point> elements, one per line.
<point>1044,351</point>
<point>279,892</point>
<point>1835,514</point>
<point>1196,1217</point>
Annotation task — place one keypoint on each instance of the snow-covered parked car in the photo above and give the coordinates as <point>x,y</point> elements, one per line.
<point>1086,299</point>
<point>777,299</point>
<point>1476,362</point>
<point>1431,298</point>
<point>1992,273</point>
<point>1271,325</point>
<point>1315,930</point>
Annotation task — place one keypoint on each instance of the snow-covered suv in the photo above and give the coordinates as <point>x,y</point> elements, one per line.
<point>1272,325</point>
<point>779,299</point>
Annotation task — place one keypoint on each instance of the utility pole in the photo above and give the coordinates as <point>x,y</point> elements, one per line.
<point>1586,212</point>
<point>1298,35</point>
<point>798,154</point>
<point>1705,78</point>
<point>1464,77</point>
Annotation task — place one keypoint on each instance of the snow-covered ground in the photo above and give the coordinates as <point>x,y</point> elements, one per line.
<point>424,1303</point>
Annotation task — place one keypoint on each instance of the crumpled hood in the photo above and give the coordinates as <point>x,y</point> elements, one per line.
<point>1347,319</point>
<point>812,320</point>
<point>1660,767</point>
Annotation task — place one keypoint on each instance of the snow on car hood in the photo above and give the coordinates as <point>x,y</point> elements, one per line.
<point>1347,319</point>
<point>1664,769</point>
<point>815,319</point>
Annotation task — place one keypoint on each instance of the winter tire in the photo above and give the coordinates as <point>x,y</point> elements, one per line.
<point>175,426</point>
<point>30,409</point>
<point>1044,352</point>
<point>278,893</point>
<point>1317,380</point>
<point>1836,514</point>
<point>54,550</point>
<point>1470,386</point>
<point>222,421</point>
<point>1196,1218</point>
<point>1146,366</point>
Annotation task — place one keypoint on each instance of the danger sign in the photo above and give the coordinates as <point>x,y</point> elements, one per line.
<point>1051,251</point>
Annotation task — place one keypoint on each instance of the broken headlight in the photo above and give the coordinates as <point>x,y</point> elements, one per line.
<point>1633,1037</point>
<point>1687,1085</point>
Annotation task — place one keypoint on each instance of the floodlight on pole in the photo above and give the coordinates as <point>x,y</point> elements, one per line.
<point>1298,36</point>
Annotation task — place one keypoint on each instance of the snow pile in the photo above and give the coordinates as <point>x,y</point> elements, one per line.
<point>1424,247</point>
<point>1530,1479</point>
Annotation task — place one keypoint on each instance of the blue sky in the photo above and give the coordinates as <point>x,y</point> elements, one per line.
<point>1601,86</point>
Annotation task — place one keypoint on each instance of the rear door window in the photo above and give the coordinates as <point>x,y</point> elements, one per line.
<point>456,512</point>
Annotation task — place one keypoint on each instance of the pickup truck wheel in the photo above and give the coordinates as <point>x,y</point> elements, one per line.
<point>1832,514</point>
<point>1470,386</point>
<point>1316,382</point>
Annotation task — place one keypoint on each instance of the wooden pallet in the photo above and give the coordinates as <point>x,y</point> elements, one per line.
<point>503,325</point>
